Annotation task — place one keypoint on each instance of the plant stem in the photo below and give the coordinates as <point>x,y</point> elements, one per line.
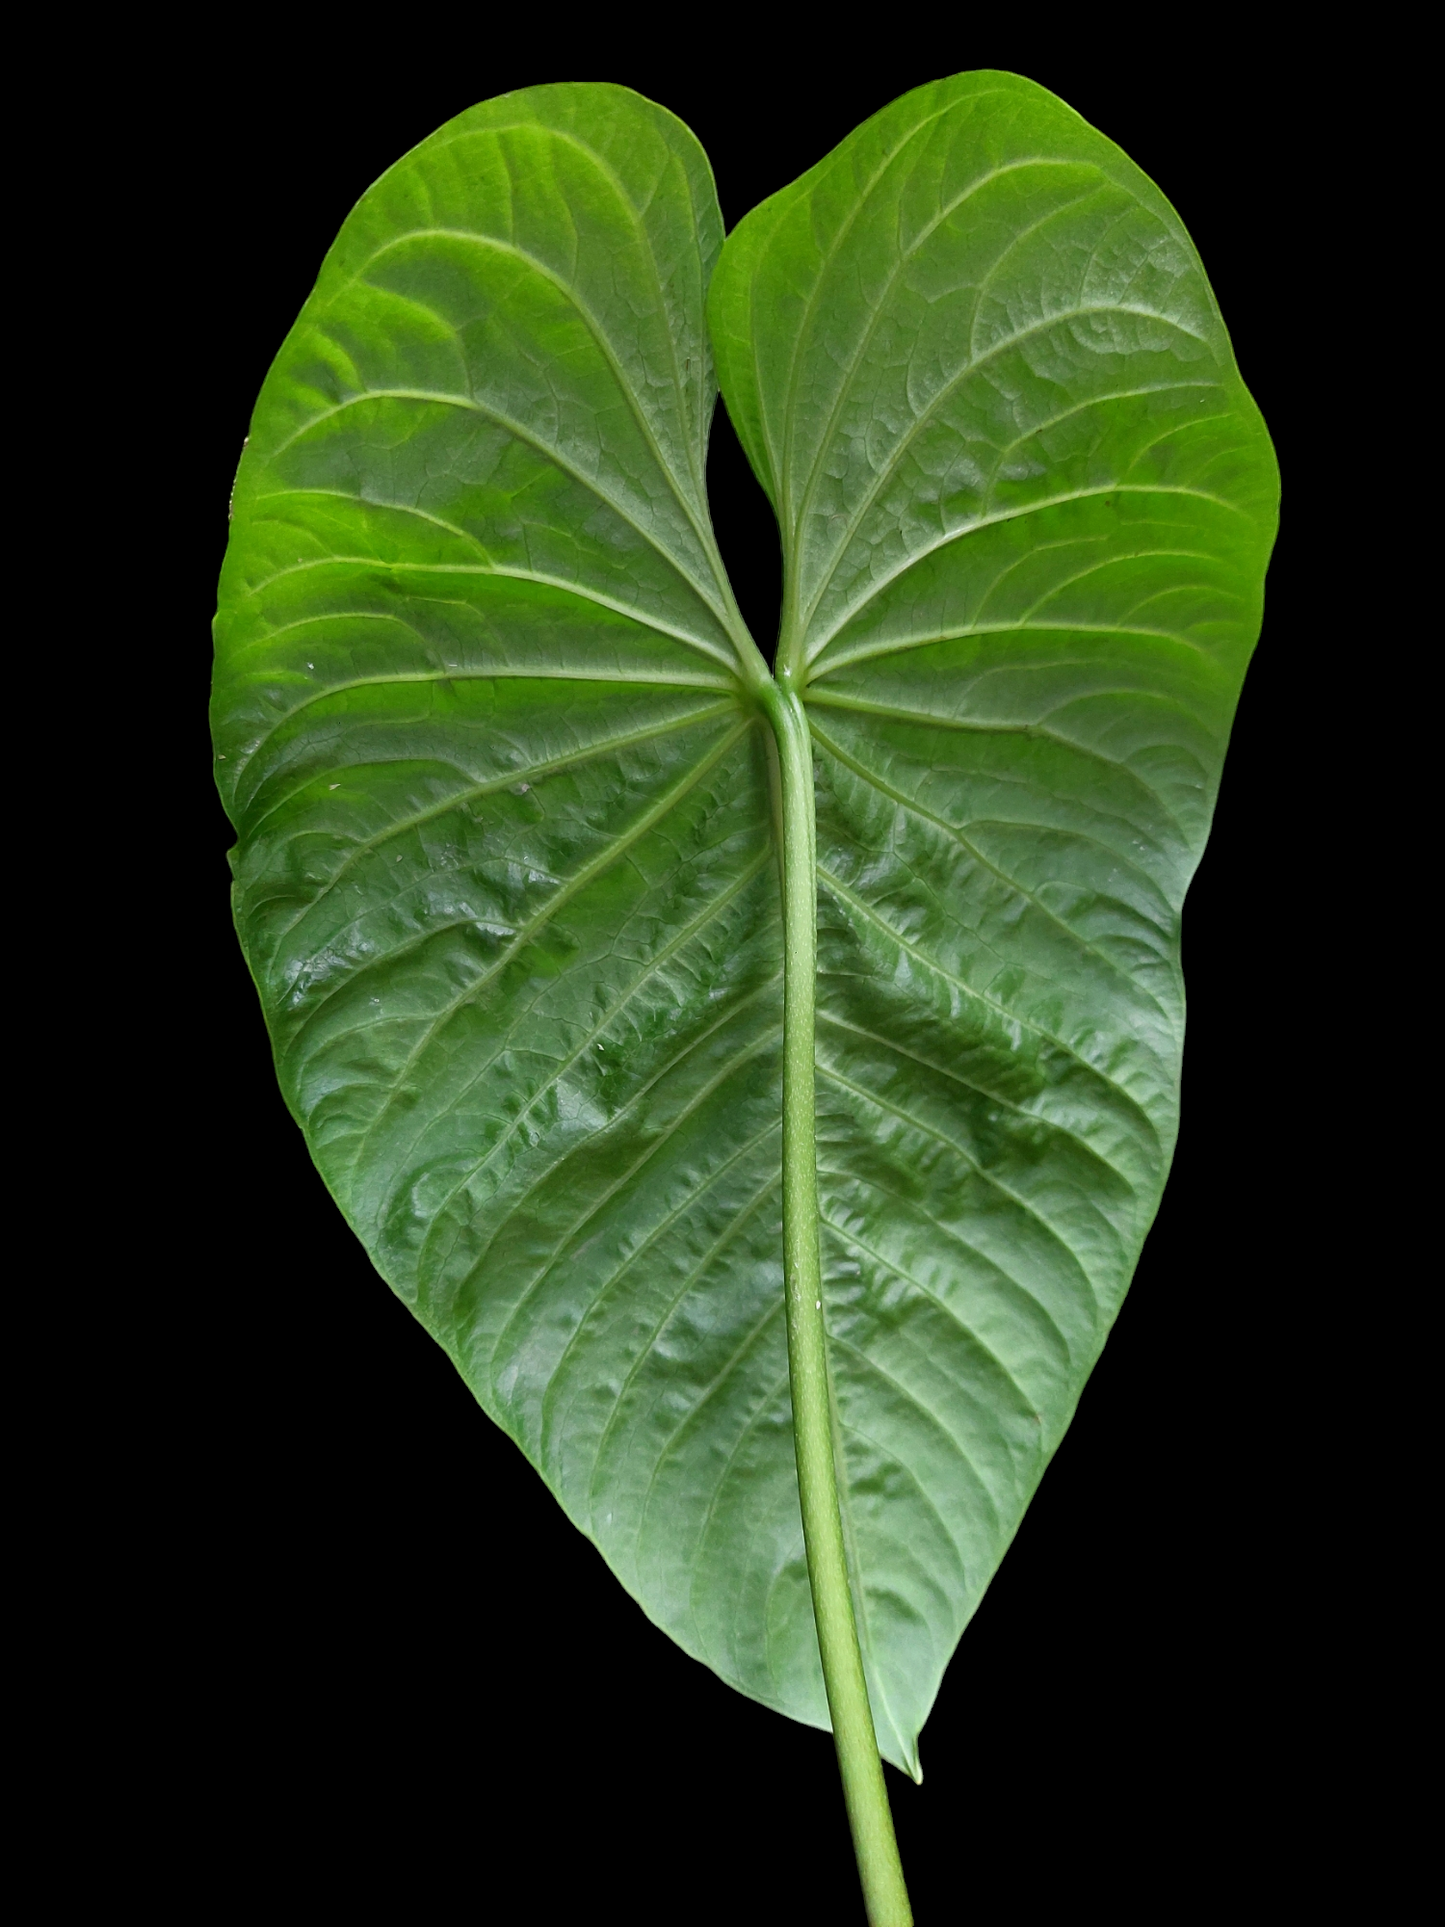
<point>864,1791</point>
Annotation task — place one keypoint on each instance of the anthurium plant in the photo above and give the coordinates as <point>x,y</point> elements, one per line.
<point>757,1066</point>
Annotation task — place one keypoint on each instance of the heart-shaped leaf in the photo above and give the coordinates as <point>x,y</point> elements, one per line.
<point>489,726</point>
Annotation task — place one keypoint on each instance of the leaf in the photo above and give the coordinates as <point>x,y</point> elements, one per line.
<point>506,869</point>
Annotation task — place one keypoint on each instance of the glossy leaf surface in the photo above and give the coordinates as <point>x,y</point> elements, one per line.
<point>506,867</point>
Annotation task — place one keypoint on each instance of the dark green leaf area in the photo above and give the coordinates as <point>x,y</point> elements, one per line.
<point>1026,505</point>
<point>528,1013</point>
<point>391,787</point>
<point>440,902</point>
<point>506,873</point>
<point>1000,1019</point>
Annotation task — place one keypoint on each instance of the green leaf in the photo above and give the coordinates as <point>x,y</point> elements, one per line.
<point>487,724</point>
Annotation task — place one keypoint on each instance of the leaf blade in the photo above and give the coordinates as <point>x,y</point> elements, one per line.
<point>506,873</point>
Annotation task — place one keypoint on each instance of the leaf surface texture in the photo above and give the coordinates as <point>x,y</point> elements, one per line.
<point>506,864</point>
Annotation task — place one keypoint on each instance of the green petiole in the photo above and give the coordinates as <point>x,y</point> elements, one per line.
<point>864,1791</point>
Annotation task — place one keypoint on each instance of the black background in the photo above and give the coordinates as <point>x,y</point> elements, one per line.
<point>382,1663</point>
